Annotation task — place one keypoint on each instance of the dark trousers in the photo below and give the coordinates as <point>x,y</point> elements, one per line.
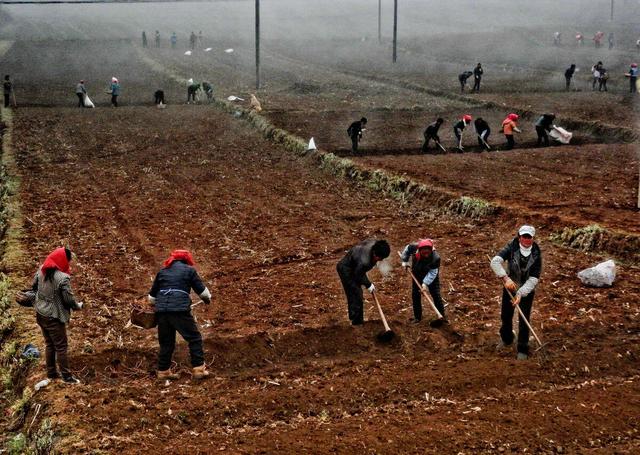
<point>159,98</point>
<point>354,142</point>
<point>510,141</point>
<point>542,135</point>
<point>476,84</point>
<point>114,100</point>
<point>506,331</point>
<point>185,325</point>
<point>416,297</point>
<point>353,292</point>
<point>568,80</point>
<point>55,338</point>
<point>80,99</point>
<point>6,99</point>
<point>632,86</point>
<point>191,96</point>
<point>602,85</point>
<point>427,139</point>
<point>486,138</point>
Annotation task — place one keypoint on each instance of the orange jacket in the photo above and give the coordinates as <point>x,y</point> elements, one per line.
<point>508,125</point>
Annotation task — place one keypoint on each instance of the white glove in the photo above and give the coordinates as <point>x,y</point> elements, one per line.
<point>371,288</point>
<point>80,305</point>
<point>405,265</point>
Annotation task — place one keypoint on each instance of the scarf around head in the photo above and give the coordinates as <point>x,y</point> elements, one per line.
<point>57,259</point>
<point>179,255</point>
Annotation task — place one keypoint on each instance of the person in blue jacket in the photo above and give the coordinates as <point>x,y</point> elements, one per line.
<point>115,91</point>
<point>170,294</point>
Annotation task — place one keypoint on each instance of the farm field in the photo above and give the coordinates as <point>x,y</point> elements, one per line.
<point>124,186</point>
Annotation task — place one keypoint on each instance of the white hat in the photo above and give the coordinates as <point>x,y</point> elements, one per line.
<point>526,229</point>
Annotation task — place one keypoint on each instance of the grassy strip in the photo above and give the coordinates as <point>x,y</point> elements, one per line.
<point>596,238</point>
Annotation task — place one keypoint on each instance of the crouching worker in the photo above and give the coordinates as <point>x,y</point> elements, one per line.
<point>424,262</point>
<point>170,293</point>
<point>352,270</point>
<point>54,303</point>
<point>524,261</point>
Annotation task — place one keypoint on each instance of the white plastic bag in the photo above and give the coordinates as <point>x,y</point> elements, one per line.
<point>87,101</point>
<point>602,275</point>
<point>560,134</point>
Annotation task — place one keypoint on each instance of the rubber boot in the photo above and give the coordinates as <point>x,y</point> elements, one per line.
<point>167,374</point>
<point>200,372</point>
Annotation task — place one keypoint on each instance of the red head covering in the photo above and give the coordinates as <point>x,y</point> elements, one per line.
<point>424,243</point>
<point>57,259</point>
<point>179,255</point>
<point>513,117</point>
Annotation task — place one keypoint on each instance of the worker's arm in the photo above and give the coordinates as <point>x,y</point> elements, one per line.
<point>153,293</point>
<point>198,286</point>
<point>34,284</point>
<point>430,277</point>
<point>68,300</point>
<point>406,254</point>
<point>534,277</point>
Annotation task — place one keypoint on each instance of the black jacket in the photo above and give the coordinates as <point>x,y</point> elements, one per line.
<point>358,261</point>
<point>545,121</point>
<point>520,269</point>
<point>481,125</point>
<point>459,125</point>
<point>422,267</point>
<point>569,72</point>
<point>355,129</point>
<point>464,76</point>
<point>432,130</point>
<point>477,72</point>
<point>172,287</point>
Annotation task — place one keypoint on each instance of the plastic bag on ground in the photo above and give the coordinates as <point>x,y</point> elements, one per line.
<point>87,102</point>
<point>561,135</point>
<point>602,275</point>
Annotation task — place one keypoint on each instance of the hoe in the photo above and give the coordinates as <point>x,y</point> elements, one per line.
<point>388,334</point>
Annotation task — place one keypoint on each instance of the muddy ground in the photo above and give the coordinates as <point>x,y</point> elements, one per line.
<point>124,186</point>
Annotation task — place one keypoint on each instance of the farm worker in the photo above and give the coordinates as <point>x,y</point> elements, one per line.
<point>355,132</point>
<point>595,72</point>
<point>597,38</point>
<point>557,38</point>
<point>611,40</point>
<point>157,38</point>
<point>638,45</point>
<point>424,262</point>
<point>524,262</point>
<point>483,131</point>
<point>580,38</point>
<point>602,80</point>
<point>53,304</point>
<point>432,133</point>
<point>543,126</point>
<point>509,125</point>
<point>174,40</point>
<point>458,129</point>
<point>632,75</point>
<point>568,75</point>
<point>477,77</point>
<point>208,89</point>
<point>170,294</point>
<point>159,97</point>
<point>144,38</point>
<point>462,78</point>
<point>8,88</point>
<point>192,88</point>
<point>81,91</point>
<point>352,270</point>
<point>115,91</point>
<point>254,103</point>
<point>192,40</point>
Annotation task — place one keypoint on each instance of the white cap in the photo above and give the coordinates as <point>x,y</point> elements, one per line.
<point>526,229</point>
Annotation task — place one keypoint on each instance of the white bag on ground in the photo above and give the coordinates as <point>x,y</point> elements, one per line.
<point>87,101</point>
<point>560,134</point>
<point>601,275</point>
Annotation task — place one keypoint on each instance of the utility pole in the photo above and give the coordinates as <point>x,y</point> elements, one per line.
<point>395,30</point>
<point>257,44</point>
<point>612,3</point>
<point>379,21</point>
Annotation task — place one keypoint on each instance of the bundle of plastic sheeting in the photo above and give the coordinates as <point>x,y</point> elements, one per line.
<point>602,275</point>
<point>560,134</point>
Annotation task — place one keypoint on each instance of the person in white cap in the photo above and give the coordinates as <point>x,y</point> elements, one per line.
<point>524,265</point>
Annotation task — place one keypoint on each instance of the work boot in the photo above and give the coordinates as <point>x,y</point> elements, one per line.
<point>522,356</point>
<point>200,372</point>
<point>502,346</point>
<point>72,380</point>
<point>167,374</point>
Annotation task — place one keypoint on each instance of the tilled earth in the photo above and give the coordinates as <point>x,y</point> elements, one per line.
<point>124,186</point>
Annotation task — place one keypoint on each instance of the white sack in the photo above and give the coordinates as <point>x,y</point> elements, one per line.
<point>87,101</point>
<point>561,135</point>
<point>601,275</point>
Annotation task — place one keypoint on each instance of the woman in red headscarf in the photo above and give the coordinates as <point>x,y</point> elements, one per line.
<point>53,304</point>
<point>170,294</point>
<point>509,126</point>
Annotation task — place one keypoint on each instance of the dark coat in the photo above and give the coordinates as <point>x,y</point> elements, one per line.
<point>518,273</point>
<point>358,261</point>
<point>355,129</point>
<point>172,287</point>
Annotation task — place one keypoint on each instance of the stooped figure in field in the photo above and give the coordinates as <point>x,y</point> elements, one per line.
<point>524,265</point>
<point>458,130</point>
<point>424,262</point>
<point>568,75</point>
<point>158,96</point>
<point>170,295</point>
<point>81,91</point>
<point>254,103</point>
<point>483,132</point>
<point>352,270</point>
<point>579,39</point>
<point>208,90</point>
<point>543,126</point>
<point>432,133</point>
<point>477,77</point>
<point>53,304</point>
<point>7,88</point>
<point>462,78</point>
<point>602,80</point>
<point>114,91</point>
<point>192,90</point>
<point>355,132</point>
<point>510,126</point>
<point>157,38</point>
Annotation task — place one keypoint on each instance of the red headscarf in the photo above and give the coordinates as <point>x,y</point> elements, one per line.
<point>57,259</point>
<point>179,255</point>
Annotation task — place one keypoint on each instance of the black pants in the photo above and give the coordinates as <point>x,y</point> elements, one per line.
<point>486,138</point>
<point>416,297</point>
<point>185,325</point>
<point>6,100</point>
<point>510,141</point>
<point>353,292</point>
<point>354,142</point>
<point>159,98</point>
<point>632,86</point>
<point>476,84</point>
<point>427,139</point>
<point>114,100</point>
<point>542,136</point>
<point>191,96</point>
<point>506,331</point>
<point>602,85</point>
<point>55,338</point>
<point>568,79</point>
<point>80,99</point>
